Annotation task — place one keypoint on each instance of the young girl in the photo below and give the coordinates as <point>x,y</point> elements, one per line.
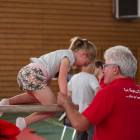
<point>35,78</point>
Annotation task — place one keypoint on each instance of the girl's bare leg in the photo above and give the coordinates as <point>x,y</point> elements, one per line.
<point>22,98</point>
<point>46,97</point>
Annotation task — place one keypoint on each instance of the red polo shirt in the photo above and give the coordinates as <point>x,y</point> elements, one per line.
<point>102,84</point>
<point>115,111</point>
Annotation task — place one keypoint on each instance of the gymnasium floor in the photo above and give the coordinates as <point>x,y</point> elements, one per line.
<point>48,129</point>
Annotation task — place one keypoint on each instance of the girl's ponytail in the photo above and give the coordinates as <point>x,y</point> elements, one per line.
<point>83,44</point>
<point>74,43</point>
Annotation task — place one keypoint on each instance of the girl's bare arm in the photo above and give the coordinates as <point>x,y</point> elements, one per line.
<point>62,79</point>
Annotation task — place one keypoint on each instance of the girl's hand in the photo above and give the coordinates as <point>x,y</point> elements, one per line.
<point>63,99</point>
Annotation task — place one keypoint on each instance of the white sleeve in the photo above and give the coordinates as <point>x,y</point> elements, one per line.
<point>94,83</point>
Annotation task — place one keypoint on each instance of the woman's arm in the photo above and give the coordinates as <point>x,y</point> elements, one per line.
<point>97,89</point>
<point>62,79</point>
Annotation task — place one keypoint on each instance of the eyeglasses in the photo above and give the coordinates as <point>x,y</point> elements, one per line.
<point>105,65</point>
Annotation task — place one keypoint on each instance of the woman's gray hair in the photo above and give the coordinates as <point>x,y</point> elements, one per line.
<point>124,58</point>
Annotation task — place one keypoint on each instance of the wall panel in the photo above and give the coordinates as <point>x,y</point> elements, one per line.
<point>31,28</point>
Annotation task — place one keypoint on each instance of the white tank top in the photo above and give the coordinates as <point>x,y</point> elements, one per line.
<point>52,61</point>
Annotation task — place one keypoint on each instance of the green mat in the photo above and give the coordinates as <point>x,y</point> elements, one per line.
<point>50,128</point>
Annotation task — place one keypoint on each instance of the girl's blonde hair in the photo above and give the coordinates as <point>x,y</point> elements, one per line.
<point>83,44</point>
<point>90,68</point>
